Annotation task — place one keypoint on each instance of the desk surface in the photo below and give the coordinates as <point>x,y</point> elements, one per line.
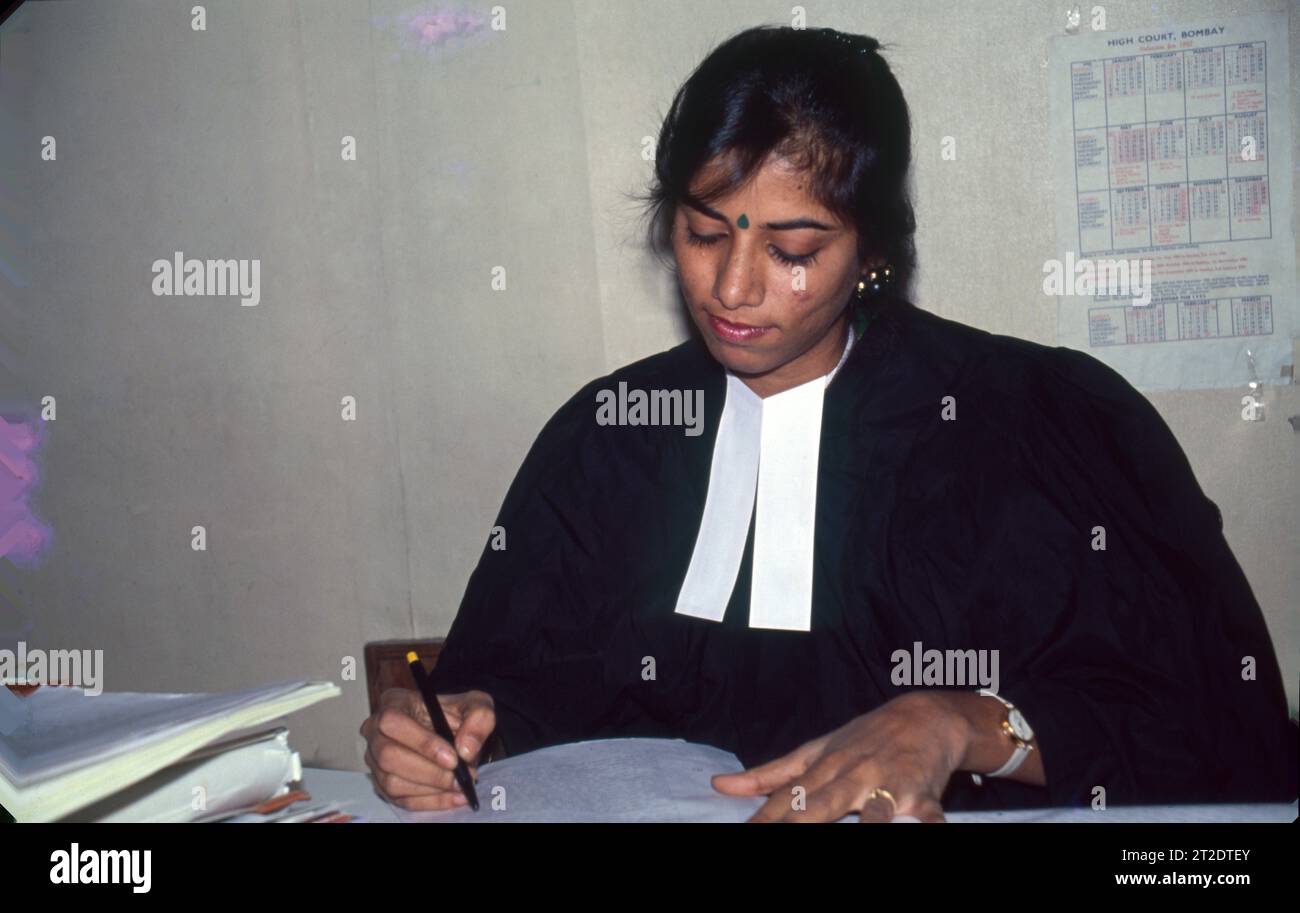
<point>354,791</point>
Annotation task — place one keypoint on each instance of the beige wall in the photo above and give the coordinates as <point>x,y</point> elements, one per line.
<point>514,149</point>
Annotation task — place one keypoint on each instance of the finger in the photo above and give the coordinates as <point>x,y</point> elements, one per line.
<point>927,808</point>
<point>404,729</point>
<point>455,705</point>
<point>766,777</point>
<point>829,803</point>
<point>781,801</point>
<point>429,744</point>
<point>377,777</point>
<point>477,722</point>
<point>879,810</point>
<point>394,785</point>
<point>388,783</point>
<point>394,788</point>
<point>437,803</point>
<point>826,769</point>
<point>791,797</point>
<point>392,757</point>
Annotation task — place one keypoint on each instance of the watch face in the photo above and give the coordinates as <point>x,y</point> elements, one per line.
<point>1020,726</point>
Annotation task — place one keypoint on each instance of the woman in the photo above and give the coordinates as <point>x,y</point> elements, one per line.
<point>897,548</point>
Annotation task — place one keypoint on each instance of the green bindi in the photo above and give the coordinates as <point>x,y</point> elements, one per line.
<point>743,221</point>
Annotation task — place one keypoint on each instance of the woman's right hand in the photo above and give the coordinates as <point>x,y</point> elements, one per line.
<point>412,765</point>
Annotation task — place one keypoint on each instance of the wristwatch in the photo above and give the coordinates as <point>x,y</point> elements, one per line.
<point>1017,729</point>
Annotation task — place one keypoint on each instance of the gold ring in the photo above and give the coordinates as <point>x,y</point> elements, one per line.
<point>880,792</point>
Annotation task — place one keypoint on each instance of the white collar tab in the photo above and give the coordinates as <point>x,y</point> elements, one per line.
<point>765,465</point>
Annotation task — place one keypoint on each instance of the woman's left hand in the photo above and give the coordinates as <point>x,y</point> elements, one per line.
<point>909,746</point>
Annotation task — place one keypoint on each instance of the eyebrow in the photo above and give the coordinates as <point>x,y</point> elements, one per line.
<point>787,225</point>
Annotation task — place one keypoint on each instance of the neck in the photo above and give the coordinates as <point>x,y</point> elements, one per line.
<point>817,361</point>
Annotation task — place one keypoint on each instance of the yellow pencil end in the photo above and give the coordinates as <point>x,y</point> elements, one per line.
<point>411,656</point>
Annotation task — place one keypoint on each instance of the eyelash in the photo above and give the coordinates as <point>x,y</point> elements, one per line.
<point>710,240</point>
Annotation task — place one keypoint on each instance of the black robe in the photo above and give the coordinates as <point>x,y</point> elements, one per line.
<point>973,532</point>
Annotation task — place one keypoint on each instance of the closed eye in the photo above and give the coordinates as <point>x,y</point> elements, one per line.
<point>780,255</point>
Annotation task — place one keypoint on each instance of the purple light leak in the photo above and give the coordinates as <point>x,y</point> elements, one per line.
<point>429,30</point>
<point>23,538</point>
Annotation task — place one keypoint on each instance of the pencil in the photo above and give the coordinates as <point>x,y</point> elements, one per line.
<point>441,726</point>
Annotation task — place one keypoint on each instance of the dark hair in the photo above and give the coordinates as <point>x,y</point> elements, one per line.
<point>822,98</point>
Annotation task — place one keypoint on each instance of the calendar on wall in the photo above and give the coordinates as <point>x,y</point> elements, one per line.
<point>1171,155</point>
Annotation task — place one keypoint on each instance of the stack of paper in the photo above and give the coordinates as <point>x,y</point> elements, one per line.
<point>62,750</point>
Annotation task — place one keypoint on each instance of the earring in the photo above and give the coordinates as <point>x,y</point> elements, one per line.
<point>874,282</point>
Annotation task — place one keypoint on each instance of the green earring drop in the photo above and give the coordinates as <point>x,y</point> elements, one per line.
<point>743,221</point>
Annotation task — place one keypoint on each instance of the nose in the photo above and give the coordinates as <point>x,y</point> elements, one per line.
<point>737,284</point>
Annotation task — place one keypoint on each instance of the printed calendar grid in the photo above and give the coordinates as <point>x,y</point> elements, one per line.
<point>1149,213</point>
<point>1200,318</point>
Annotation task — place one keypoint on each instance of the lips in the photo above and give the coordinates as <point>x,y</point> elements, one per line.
<point>727,331</point>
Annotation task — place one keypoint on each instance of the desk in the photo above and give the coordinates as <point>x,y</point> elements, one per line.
<point>355,791</point>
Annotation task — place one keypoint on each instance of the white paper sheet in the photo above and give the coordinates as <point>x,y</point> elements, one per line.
<point>613,780</point>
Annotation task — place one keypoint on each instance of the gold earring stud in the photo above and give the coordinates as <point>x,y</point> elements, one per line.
<point>874,282</point>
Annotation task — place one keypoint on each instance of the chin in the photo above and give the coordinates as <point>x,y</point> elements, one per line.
<point>742,360</point>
